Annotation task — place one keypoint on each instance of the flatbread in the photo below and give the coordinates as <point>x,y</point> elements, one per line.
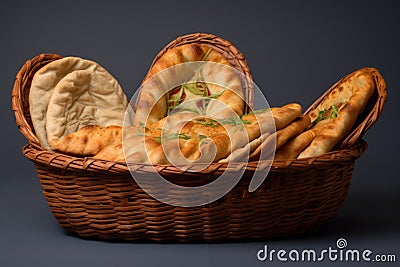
<point>295,128</point>
<point>113,152</point>
<point>191,142</point>
<point>221,82</point>
<point>270,120</point>
<point>204,141</point>
<point>293,148</point>
<point>43,84</point>
<point>279,138</point>
<point>346,101</point>
<point>89,140</point>
<point>184,138</point>
<point>261,126</point>
<point>139,149</point>
<point>82,98</point>
<point>242,154</point>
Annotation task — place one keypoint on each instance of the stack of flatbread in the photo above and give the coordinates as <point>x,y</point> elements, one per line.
<point>185,113</point>
<point>198,140</point>
<point>69,94</point>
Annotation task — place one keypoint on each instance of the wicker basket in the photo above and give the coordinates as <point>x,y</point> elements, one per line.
<point>99,199</point>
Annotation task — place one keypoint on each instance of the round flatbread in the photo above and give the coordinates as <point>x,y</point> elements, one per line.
<point>82,98</point>
<point>44,82</point>
<point>165,88</point>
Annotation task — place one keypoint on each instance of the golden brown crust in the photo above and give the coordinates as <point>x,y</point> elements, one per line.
<point>271,120</point>
<point>113,152</point>
<point>281,136</point>
<point>293,148</point>
<point>260,127</point>
<point>293,129</point>
<point>198,140</point>
<point>89,140</point>
<point>152,104</point>
<point>185,53</point>
<point>196,143</point>
<point>350,98</point>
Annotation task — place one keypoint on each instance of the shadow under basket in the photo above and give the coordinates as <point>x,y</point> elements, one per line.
<point>99,199</point>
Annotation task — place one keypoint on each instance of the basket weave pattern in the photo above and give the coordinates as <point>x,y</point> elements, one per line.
<point>108,205</point>
<point>99,199</point>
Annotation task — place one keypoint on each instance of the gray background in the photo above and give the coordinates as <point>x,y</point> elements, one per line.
<point>295,49</point>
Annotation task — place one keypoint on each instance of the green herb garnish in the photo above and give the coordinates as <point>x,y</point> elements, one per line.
<point>175,100</point>
<point>206,54</point>
<point>196,88</point>
<point>207,123</point>
<point>171,136</point>
<point>202,136</point>
<point>331,113</point>
<point>335,112</point>
<point>234,121</point>
<point>216,95</point>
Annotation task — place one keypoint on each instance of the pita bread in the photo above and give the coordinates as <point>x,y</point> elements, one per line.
<point>82,98</point>
<point>204,141</point>
<point>43,84</point>
<point>270,120</point>
<point>139,149</point>
<point>174,119</point>
<point>225,82</point>
<point>286,114</point>
<point>261,126</point>
<point>279,138</point>
<point>156,97</point>
<point>113,152</point>
<point>242,154</point>
<point>293,148</point>
<point>196,150</point>
<point>185,139</point>
<point>336,115</point>
<point>189,143</point>
<point>89,140</point>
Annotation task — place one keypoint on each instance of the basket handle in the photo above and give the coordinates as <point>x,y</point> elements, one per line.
<point>20,94</point>
<point>371,113</point>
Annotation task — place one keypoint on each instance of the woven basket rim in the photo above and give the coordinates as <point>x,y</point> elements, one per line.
<point>60,161</point>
